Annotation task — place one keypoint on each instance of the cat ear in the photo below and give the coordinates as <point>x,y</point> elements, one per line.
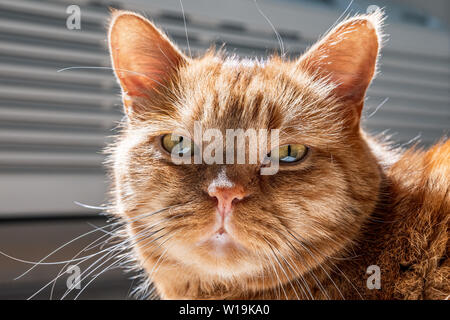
<point>143,58</point>
<point>347,57</point>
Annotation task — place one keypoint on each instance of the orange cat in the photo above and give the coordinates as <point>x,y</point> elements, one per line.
<point>341,207</point>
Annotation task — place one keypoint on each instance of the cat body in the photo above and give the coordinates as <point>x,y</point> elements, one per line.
<point>340,208</point>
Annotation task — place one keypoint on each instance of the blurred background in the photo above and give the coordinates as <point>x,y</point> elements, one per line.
<point>54,125</point>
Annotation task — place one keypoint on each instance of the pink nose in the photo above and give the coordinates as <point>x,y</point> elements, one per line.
<point>225,197</point>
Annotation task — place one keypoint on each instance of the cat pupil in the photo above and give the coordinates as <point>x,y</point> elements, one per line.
<point>289,157</point>
<point>182,149</point>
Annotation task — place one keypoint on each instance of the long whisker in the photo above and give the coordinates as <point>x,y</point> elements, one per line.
<point>41,262</point>
<point>116,69</point>
<point>378,107</point>
<point>65,266</point>
<point>185,28</point>
<point>280,283</point>
<point>340,17</point>
<point>81,260</point>
<point>119,251</point>
<point>318,263</point>
<point>280,40</point>
<point>105,68</point>
<point>90,207</point>
<point>282,269</point>
<point>311,271</point>
<point>296,272</point>
<point>348,280</point>
<point>118,262</point>
<point>146,233</point>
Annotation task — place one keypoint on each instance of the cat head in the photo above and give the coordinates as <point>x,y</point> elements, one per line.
<point>227,221</point>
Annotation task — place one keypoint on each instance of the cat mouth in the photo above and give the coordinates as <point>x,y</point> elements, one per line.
<point>221,238</point>
<point>220,235</point>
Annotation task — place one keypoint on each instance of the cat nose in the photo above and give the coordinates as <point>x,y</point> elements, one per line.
<point>226,196</point>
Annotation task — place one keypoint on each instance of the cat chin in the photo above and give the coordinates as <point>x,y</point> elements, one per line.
<point>225,266</point>
<point>220,247</point>
<point>217,255</point>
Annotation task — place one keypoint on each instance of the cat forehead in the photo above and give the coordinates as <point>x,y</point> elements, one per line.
<point>231,92</point>
<point>235,93</point>
<point>231,86</point>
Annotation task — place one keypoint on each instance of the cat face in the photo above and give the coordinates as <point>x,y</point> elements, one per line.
<point>227,220</point>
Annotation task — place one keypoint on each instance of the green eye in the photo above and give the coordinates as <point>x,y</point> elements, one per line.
<point>177,144</point>
<point>290,153</point>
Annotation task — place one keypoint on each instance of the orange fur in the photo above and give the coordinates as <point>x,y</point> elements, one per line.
<point>312,229</point>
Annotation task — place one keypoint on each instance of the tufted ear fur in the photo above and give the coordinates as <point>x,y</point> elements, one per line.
<point>347,58</point>
<point>143,58</point>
